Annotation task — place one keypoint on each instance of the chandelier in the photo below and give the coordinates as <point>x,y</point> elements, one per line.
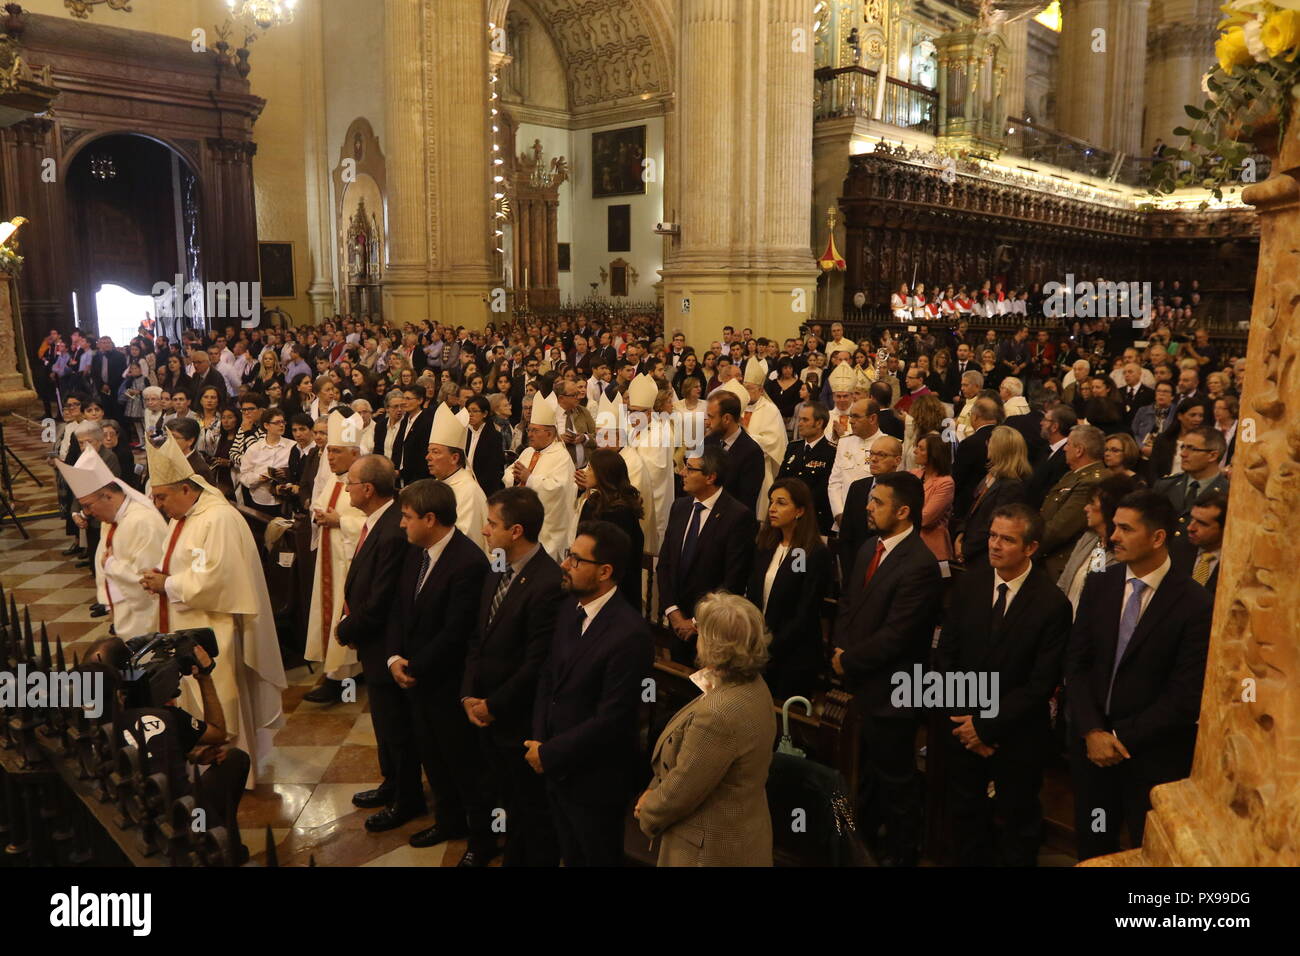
<point>102,167</point>
<point>264,13</point>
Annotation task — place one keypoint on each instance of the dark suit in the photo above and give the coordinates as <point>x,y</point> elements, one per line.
<point>1154,702</point>
<point>1029,426</point>
<point>969,466</point>
<point>1175,488</point>
<point>502,666</point>
<point>311,465</point>
<point>854,526</point>
<point>975,529</point>
<point>586,717</point>
<point>885,627</point>
<point>721,559</point>
<point>746,469</point>
<point>489,461</point>
<point>415,446</point>
<point>891,423</point>
<point>1026,649</point>
<point>1131,403</point>
<point>368,594</point>
<point>432,631</point>
<point>1046,474</point>
<point>116,370</point>
<point>794,616</point>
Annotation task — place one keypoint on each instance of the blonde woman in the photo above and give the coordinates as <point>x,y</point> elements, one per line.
<point>707,803</point>
<point>1009,469</point>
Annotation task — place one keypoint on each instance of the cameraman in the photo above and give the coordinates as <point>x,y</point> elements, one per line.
<point>171,733</point>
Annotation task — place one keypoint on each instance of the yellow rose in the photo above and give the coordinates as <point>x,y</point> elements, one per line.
<point>1281,34</point>
<point>1231,50</point>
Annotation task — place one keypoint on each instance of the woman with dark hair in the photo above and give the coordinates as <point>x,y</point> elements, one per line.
<point>1122,455</point>
<point>690,368</point>
<point>934,468</point>
<point>1165,458</point>
<point>1094,550</point>
<point>357,386</point>
<point>792,569</point>
<point>300,395</point>
<point>211,399</point>
<point>1101,408</point>
<point>784,391</point>
<point>220,462</point>
<point>174,376</point>
<point>611,496</point>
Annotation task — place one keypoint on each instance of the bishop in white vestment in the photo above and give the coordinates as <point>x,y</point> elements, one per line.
<point>446,459</point>
<point>546,468</point>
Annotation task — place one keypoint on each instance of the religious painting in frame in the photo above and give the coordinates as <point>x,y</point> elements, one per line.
<point>620,228</point>
<point>616,162</point>
<point>564,253</point>
<point>275,261</point>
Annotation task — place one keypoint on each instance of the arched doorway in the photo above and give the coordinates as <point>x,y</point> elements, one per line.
<point>133,206</point>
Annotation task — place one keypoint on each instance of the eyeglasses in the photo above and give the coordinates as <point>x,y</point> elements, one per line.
<point>881,455</point>
<point>1203,451</point>
<point>570,556</point>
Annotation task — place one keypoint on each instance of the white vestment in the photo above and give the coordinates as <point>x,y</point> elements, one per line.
<point>552,479</point>
<point>654,447</point>
<point>471,506</point>
<point>215,580</point>
<point>125,552</point>
<point>333,558</point>
<point>767,427</point>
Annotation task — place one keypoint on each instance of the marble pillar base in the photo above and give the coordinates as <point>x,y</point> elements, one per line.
<point>760,299</point>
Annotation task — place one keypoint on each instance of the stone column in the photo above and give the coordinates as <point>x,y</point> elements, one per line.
<point>1241,804</point>
<point>743,173</point>
<point>46,291</point>
<point>1081,105</point>
<point>406,277</point>
<point>1126,44</point>
<point>1016,35</point>
<point>320,232</point>
<point>1178,55</point>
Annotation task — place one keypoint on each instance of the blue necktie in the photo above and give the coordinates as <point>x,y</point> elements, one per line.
<point>1128,623</point>
<point>692,533</point>
<point>424,569</point>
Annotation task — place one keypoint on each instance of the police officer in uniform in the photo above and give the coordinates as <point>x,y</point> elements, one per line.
<point>810,459</point>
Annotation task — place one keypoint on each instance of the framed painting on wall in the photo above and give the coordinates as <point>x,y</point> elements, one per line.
<point>275,261</point>
<point>620,228</point>
<point>616,156</point>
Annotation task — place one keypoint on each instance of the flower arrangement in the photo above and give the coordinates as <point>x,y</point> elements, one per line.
<point>10,260</point>
<point>1248,93</point>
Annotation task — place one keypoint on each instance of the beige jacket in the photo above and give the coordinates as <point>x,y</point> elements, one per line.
<point>708,799</point>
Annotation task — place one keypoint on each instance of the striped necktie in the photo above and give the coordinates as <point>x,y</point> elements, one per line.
<point>1201,573</point>
<point>500,594</point>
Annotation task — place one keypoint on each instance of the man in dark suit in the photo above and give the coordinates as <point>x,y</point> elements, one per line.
<point>516,620</point>
<point>811,458</point>
<point>486,456</point>
<point>585,723</point>
<point>368,593</point>
<point>970,464</point>
<point>428,634</point>
<point>1205,540</point>
<point>205,375</point>
<point>708,544</point>
<point>1134,394</point>
<point>414,435</point>
<point>886,458</point>
<point>1055,428</point>
<point>1135,669</point>
<point>1152,421</point>
<point>519,384</point>
<point>1200,454</point>
<point>107,368</point>
<point>887,613</point>
<point>888,421</point>
<point>1007,618</point>
<point>743,463</point>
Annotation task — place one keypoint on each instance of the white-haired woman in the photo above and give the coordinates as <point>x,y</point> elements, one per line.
<point>707,803</point>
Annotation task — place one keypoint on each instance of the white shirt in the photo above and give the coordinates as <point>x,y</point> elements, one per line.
<point>1057,447</point>
<point>708,504</point>
<point>1013,586</point>
<point>893,542</point>
<point>373,520</point>
<point>258,459</point>
<point>773,567</point>
<point>1152,581</point>
<point>593,607</point>
<point>434,552</point>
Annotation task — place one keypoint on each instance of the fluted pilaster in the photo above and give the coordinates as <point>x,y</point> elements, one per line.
<point>1127,51</point>
<point>316,168</point>
<point>1081,107</point>
<point>408,237</point>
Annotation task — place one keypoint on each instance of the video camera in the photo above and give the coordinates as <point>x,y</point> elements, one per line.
<point>152,675</point>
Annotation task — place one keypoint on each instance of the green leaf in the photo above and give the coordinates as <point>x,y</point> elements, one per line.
<point>1194,112</point>
<point>1182,131</point>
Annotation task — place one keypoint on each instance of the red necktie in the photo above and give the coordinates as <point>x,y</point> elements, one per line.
<point>360,541</point>
<point>875,562</point>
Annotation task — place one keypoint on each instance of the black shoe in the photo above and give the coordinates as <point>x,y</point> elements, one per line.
<point>69,552</point>
<point>435,835</point>
<point>478,858</point>
<point>84,563</point>
<point>326,692</point>
<point>389,818</point>
<point>98,610</point>
<point>372,799</point>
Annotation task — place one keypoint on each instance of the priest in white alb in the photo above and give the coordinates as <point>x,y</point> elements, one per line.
<point>131,542</point>
<point>612,432</point>
<point>446,460</point>
<point>340,526</point>
<point>762,420</point>
<point>651,439</point>
<point>546,467</point>
<point>211,576</point>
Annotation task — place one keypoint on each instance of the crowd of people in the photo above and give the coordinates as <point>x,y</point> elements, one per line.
<point>487,507</point>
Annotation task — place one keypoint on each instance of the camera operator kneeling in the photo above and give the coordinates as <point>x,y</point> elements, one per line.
<point>172,735</point>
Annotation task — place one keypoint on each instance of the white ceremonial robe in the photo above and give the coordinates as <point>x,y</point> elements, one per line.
<point>471,506</point>
<point>366,439</point>
<point>327,580</point>
<point>851,463</point>
<point>833,416</point>
<point>654,447</point>
<point>552,479</point>
<point>215,580</point>
<point>129,547</point>
<point>767,427</point>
